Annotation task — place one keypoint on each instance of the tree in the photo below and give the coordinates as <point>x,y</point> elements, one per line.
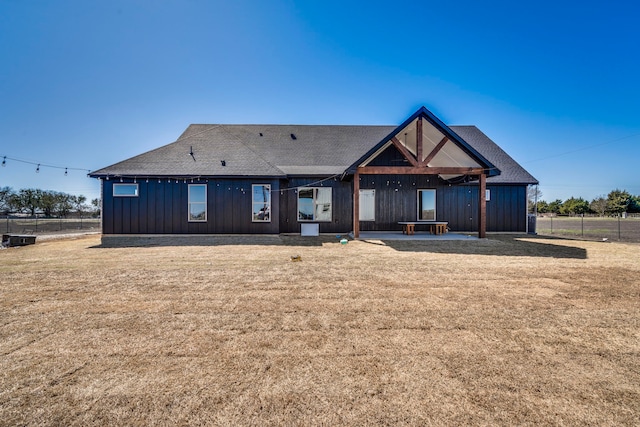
<point>533,196</point>
<point>95,203</point>
<point>48,202</point>
<point>599,205</point>
<point>64,204</point>
<point>618,201</point>
<point>28,200</point>
<point>543,207</point>
<point>575,206</point>
<point>78,203</point>
<point>634,204</point>
<point>6,196</point>
<point>554,207</point>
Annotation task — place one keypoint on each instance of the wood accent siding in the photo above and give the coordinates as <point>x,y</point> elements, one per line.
<point>162,208</point>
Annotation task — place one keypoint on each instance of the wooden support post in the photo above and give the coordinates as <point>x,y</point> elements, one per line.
<point>419,148</point>
<point>356,205</point>
<point>482,207</point>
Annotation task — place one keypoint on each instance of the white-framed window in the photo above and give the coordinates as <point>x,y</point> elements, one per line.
<point>367,205</point>
<point>426,205</point>
<point>125,190</point>
<point>314,204</point>
<point>197,202</point>
<point>261,203</point>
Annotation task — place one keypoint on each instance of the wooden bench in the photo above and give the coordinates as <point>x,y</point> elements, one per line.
<point>435,227</point>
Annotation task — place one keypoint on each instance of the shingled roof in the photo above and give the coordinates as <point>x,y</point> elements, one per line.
<point>281,151</point>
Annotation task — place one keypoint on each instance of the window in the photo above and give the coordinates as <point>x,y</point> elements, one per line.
<point>426,205</point>
<point>125,190</point>
<point>314,204</point>
<point>197,202</point>
<point>367,205</point>
<point>261,203</point>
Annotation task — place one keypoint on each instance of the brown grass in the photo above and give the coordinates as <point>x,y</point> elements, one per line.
<point>505,331</point>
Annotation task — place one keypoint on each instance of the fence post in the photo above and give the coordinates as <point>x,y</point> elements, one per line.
<point>582,226</point>
<point>619,227</point>
<point>551,223</point>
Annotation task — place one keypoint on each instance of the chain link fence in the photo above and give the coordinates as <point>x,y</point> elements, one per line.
<point>39,225</point>
<point>621,228</point>
<point>624,228</point>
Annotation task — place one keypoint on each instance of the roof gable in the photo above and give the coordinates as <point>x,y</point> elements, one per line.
<point>426,141</point>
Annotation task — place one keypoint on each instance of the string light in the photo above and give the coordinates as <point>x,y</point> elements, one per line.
<point>42,165</point>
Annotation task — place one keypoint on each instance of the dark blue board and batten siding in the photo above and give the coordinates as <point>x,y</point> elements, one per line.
<point>162,208</point>
<point>341,205</point>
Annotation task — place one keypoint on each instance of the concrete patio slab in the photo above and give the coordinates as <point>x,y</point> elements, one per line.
<point>397,235</point>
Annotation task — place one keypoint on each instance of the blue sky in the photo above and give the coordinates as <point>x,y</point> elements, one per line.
<point>85,84</point>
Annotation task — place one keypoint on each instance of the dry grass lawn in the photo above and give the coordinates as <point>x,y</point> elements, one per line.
<point>504,331</point>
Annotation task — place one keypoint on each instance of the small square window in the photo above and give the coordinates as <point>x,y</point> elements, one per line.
<point>125,190</point>
<point>314,204</point>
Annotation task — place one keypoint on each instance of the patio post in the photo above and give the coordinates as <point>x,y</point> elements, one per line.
<point>482,207</point>
<point>356,204</point>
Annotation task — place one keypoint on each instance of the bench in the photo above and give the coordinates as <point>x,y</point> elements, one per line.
<point>435,227</point>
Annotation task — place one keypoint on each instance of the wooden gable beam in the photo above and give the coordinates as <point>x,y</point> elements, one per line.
<point>419,148</point>
<point>417,170</point>
<point>435,151</point>
<point>403,150</point>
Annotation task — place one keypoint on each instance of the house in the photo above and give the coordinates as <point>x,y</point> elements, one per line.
<point>270,179</point>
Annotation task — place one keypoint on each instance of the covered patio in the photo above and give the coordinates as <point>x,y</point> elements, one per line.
<point>421,146</point>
